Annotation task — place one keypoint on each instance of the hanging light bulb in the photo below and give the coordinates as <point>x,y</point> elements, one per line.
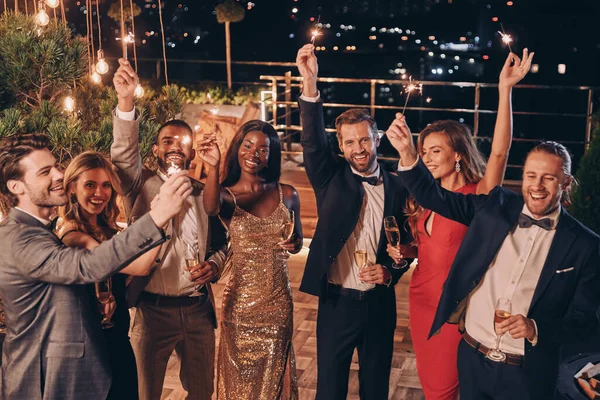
<point>139,91</point>
<point>96,78</point>
<point>52,3</point>
<point>69,104</point>
<point>42,18</point>
<point>101,65</point>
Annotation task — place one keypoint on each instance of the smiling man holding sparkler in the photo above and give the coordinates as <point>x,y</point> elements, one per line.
<point>348,267</point>
<point>172,289</point>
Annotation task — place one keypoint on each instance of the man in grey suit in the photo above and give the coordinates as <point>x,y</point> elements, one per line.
<point>53,348</point>
<point>175,308</point>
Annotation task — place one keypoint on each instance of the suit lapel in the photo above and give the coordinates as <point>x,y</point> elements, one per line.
<point>389,206</point>
<point>561,244</point>
<point>502,228</point>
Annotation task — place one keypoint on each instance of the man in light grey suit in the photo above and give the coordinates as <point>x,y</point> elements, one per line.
<point>53,348</point>
<point>175,308</point>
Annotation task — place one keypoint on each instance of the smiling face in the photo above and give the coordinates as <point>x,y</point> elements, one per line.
<point>359,146</point>
<point>253,155</point>
<point>544,182</point>
<point>93,190</point>
<point>174,148</point>
<point>42,184</point>
<point>438,155</point>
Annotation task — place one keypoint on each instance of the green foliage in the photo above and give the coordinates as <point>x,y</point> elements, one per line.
<point>89,126</point>
<point>38,64</point>
<point>114,12</point>
<point>230,11</point>
<point>219,94</point>
<point>586,199</point>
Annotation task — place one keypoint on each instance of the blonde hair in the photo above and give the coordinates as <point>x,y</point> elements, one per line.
<point>472,162</point>
<point>87,161</point>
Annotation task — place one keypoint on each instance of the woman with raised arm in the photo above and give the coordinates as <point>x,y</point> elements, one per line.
<point>256,357</point>
<point>449,151</point>
<point>89,218</point>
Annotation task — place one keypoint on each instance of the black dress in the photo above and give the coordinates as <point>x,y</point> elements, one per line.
<point>120,353</point>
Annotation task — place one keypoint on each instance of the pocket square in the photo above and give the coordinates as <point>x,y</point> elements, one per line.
<point>561,271</point>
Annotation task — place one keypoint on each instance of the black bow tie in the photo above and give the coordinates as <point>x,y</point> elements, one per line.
<point>371,180</point>
<point>525,221</point>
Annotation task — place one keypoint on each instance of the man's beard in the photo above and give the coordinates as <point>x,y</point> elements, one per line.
<point>44,198</point>
<point>164,165</point>
<point>367,168</point>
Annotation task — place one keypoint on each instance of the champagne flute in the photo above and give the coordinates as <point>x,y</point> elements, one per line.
<point>501,313</point>
<point>287,228</point>
<point>360,258</point>
<point>104,296</point>
<point>192,260</point>
<point>392,232</point>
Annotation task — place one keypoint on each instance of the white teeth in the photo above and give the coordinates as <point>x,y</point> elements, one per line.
<point>252,164</point>
<point>538,196</point>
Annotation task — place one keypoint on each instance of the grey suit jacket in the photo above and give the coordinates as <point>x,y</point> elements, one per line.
<point>53,348</point>
<point>139,186</point>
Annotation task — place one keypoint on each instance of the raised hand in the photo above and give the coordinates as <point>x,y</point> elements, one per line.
<point>125,81</point>
<point>400,137</point>
<point>208,150</point>
<point>308,68</point>
<point>512,74</point>
<point>171,197</point>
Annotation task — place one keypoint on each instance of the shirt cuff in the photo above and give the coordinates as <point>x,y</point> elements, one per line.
<point>311,99</point>
<point>389,281</point>
<point>535,337</point>
<point>402,168</point>
<point>125,115</point>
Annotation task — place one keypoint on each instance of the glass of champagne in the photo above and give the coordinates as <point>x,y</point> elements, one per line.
<point>192,260</point>
<point>360,258</point>
<point>392,232</point>
<point>104,296</point>
<point>287,227</point>
<point>501,314</point>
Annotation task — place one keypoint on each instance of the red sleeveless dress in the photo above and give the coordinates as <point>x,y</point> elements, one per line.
<point>436,357</point>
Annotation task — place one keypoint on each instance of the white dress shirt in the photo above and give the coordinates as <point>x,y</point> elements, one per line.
<point>42,220</point>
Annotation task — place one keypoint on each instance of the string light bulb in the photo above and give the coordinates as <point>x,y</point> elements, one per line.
<point>53,3</point>
<point>139,91</point>
<point>96,78</point>
<point>69,104</point>
<point>42,18</point>
<point>101,65</point>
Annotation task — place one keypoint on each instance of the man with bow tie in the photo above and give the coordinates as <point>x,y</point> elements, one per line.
<point>53,347</point>
<point>357,310</point>
<point>524,248</point>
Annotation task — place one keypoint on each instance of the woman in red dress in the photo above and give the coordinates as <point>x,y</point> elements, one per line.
<point>449,151</point>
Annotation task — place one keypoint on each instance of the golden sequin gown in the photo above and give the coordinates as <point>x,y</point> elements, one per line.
<point>256,357</point>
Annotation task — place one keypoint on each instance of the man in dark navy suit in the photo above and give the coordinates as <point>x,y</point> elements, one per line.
<point>524,248</point>
<point>357,310</point>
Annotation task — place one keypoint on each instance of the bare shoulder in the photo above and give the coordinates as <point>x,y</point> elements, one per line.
<point>65,226</point>
<point>288,191</point>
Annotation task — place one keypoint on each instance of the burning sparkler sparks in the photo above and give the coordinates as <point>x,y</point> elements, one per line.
<point>315,32</point>
<point>506,38</point>
<point>408,89</point>
<point>173,169</point>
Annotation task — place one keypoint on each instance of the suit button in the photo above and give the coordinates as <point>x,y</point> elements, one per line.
<point>157,260</point>
<point>474,283</point>
<point>456,301</point>
<point>342,240</point>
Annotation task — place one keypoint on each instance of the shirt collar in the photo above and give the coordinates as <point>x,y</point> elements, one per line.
<point>42,220</point>
<point>376,173</point>
<point>553,216</point>
<point>161,175</point>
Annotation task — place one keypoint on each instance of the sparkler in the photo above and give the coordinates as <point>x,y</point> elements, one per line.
<point>214,110</point>
<point>408,89</point>
<point>506,38</point>
<point>315,32</point>
<point>173,169</point>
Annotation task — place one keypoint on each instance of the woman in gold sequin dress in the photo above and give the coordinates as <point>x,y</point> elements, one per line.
<point>256,357</point>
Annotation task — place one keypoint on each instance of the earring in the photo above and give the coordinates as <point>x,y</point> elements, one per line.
<point>73,198</point>
<point>457,166</point>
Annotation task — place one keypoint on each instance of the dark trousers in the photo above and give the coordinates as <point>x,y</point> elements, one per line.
<point>344,324</point>
<point>122,363</point>
<point>481,379</point>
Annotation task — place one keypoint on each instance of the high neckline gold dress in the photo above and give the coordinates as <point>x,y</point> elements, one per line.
<point>256,357</point>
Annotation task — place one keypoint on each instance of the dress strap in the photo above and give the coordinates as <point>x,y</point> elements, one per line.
<point>280,192</point>
<point>66,233</point>
<point>232,196</point>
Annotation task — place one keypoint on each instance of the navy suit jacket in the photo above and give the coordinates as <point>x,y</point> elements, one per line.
<point>564,304</point>
<point>339,195</point>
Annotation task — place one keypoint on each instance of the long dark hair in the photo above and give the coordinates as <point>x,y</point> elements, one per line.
<point>472,162</point>
<point>272,172</point>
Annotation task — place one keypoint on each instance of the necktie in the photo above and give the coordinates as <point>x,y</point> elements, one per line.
<point>525,221</point>
<point>371,180</point>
